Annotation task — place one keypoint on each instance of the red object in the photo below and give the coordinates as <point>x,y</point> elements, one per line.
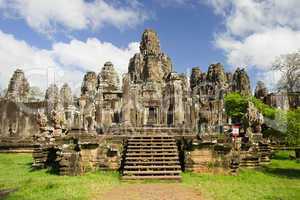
<point>235,131</point>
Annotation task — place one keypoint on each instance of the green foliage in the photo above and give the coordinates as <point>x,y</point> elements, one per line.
<point>265,109</point>
<point>235,105</point>
<point>293,127</point>
<point>285,126</point>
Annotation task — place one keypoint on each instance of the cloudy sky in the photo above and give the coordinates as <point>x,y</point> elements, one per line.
<point>59,40</point>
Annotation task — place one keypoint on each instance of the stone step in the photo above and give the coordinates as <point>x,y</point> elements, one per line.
<point>151,144</point>
<point>151,177</point>
<point>153,147</point>
<point>152,150</point>
<point>151,159</point>
<point>156,163</point>
<point>141,167</point>
<point>152,172</point>
<point>142,154</point>
<point>147,157</point>
<point>151,137</point>
<point>151,140</point>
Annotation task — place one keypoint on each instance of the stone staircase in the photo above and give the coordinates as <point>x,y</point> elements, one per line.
<point>265,151</point>
<point>249,160</point>
<point>151,157</point>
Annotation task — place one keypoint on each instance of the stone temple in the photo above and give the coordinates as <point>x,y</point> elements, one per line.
<point>154,124</point>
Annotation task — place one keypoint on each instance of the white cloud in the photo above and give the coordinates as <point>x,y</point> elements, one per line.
<point>92,53</point>
<point>48,15</point>
<point>64,62</point>
<point>259,49</point>
<point>257,32</point>
<point>220,6</point>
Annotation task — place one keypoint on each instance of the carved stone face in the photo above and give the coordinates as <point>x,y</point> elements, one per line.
<point>150,43</point>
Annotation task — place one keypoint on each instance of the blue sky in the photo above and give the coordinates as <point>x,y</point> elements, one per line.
<point>61,41</point>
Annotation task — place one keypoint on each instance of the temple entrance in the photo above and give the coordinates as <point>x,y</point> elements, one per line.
<point>152,117</point>
<point>116,118</point>
<point>170,116</point>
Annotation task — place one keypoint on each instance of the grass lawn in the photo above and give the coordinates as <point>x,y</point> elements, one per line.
<point>278,181</point>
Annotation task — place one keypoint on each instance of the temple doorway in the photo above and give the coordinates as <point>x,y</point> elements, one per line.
<point>152,117</point>
<point>170,116</point>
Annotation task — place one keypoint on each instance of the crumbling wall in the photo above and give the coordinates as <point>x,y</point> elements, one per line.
<point>18,119</point>
<point>205,158</point>
<point>75,155</point>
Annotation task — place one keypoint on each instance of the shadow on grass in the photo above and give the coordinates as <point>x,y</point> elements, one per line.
<point>6,192</point>
<point>284,172</point>
<point>280,157</point>
<point>52,171</point>
<point>49,170</point>
<point>30,168</point>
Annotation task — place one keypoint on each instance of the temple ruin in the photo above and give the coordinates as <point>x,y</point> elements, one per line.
<point>155,124</point>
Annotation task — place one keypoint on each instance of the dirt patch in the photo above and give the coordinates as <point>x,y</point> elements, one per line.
<point>5,193</point>
<point>158,191</point>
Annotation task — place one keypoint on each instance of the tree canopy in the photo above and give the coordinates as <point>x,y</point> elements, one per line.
<point>289,67</point>
<point>284,125</point>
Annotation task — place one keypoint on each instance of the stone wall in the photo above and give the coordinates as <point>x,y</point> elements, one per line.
<point>19,119</point>
<point>205,158</point>
<point>75,155</point>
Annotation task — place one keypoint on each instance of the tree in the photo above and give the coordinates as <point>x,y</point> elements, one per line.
<point>289,67</point>
<point>280,125</point>
<point>293,130</point>
<point>235,106</point>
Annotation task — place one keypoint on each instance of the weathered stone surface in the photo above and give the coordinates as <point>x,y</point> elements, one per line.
<point>150,64</point>
<point>87,113</point>
<point>66,95</point>
<point>18,119</point>
<point>150,44</point>
<point>241,82</point>
<point>205,158</point>
<point>108,79</point>
<point>195,77</point>
<point>278,100</point>
<point>294,100</point>
<point>207,95</point>
<point>53,100</point>
<point>18,88</point>
<point>216,74</point>
<point>52,94</point>
<point>261,91</point>
<point>89,85</point>
<point>136,68</point>
<point>152,94</point>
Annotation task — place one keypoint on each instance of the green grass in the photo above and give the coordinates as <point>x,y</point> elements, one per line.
<point>278,181</point>
<point>15,172</point>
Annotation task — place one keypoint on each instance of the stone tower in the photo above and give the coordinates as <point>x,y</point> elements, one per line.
<point>150,43</point>
<point>152,92</point>
<point>241,82</point>
<point>261,91</point>
<point>150,64</point>
<point>108,79</point>
<point>18,88</point>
